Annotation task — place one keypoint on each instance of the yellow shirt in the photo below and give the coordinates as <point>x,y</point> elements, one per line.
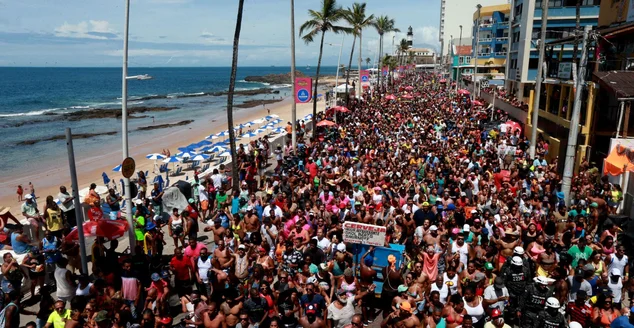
<point>59,321</point>
<point>54,220</point>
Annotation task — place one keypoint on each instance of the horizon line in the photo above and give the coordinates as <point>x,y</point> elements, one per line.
<point>265,66</point>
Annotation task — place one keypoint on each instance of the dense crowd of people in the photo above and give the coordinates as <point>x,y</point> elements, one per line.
<point>489,240</point>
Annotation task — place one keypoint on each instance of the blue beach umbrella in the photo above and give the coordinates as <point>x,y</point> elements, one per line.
<point>172,159</point>
<point>249,135</point>
<point>279,130</point>
<point>187,154</point>
<point>217,149</point>
<point>106,180</point>
<point>184,149</point>
<point>205,143</point>
<point>200,157</point>
<point>117,168</point>
<point>271,117</point>
<point>155,156</point>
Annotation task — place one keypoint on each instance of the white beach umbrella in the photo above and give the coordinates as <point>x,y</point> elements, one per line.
<point>259,121</point>
<point>172,159</point>
<point>200,157</point>
<point>271,117</point>
<point>187,154</point>
<point>225,154</point>
<point>217,149</point>
<point>249,135</point>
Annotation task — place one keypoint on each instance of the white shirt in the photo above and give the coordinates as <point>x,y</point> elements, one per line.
<point>490,293</point>
<point>323,244</point>
<point>267,236</point>
<point>62,197</point>
<point>267,210</point>
<point>414,208</point>
<point>217,179</point>
<point>444,292</point>
<point>202,193</point>
<point>616,263</point>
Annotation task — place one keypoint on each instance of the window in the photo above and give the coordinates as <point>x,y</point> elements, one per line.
<point>467,60</point>
<point>532,63</point>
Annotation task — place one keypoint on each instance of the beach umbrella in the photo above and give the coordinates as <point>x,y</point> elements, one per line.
<point>276,121</point>
<point>187,154</point>
<point>271,117</point>
<point>117,168</point>
<point>184,149</point>
<point>109,229</point>
<point>279,130</point>
<point>225,154</point>
<point>512,126</point>
<point>408,97</point>
<point>155,156</point>
<point>200,157</point>
<point>308,117</point>
<point>463,92</point>
<point>249,135</point>
<point>217,149</point>
<point>106,179</point>
<point>341,109</point>
<point>390,97</point>
<point>326,123</point>
<point>477,103</point>
<point>172,159</point>
<point>409,88</point>
<point>205,143</point>
<point>258,131</point>
<point>259,121</point>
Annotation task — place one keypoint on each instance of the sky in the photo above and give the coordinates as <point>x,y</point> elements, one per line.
<point>177,33</point>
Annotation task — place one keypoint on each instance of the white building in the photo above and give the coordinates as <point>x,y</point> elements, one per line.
<point>456,13</point>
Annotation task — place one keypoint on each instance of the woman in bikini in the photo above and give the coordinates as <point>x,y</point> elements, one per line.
<point>454,311</point>
<point>536,248</point>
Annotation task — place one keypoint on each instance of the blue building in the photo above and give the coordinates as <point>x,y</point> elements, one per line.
<point>490,40</point>
<point>525,33</point>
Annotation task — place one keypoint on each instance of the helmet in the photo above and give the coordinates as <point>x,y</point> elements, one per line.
<point>516,260</point>
<point>552,302</point>
<point>574,324</point>
<point>518,250</point>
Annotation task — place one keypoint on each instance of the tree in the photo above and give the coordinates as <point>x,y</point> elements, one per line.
<point>321,22</point>
<point>357,20</point>
<point>384,24</point>
<point>402,50</point>
<point>367,62</point>
<point>391,63</point>
<point>232,86</point>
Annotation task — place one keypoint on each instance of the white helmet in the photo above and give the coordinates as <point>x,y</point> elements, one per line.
<point>516,260</point>
<point>552,302</point>
<point>574,324</point>
<point>518,250</point>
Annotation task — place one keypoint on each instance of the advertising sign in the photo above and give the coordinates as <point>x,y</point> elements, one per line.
<point>365,77</point>
<point>385,70</point>
<point>366,234</point>
<point>303,93</point>
<point>564,70</point>
<point>127,167</point>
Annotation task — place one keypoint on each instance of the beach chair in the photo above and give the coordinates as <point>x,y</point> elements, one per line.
<point>178,171</point>
<point>147,174</point>
<point>122,187</point>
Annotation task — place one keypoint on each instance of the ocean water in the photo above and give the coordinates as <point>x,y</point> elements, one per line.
<point>32,99</point>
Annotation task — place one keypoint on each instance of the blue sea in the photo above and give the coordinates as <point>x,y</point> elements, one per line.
<point>40,95</point>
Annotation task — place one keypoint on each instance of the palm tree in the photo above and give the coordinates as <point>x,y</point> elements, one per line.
<point>402,50</point>
<point>367,62</point>
<point>391,63</point>
<point>355,16</point>
<point>321,21</point>
<point>232,87</point>
<point>383,25</point>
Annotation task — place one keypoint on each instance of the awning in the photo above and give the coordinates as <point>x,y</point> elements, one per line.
<point>618,161</point>
<point>620,83</point>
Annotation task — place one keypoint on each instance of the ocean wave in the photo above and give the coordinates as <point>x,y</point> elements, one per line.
<point>281,86</point>
<point>31,113</point>
<point>79,107</point>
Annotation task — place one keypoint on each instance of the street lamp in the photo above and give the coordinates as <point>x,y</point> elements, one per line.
<point>475,63</point>
<point>338,66</point>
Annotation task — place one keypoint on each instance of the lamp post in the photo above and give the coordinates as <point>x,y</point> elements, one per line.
<point>293,105</point>
<point>475,62</point>
<point>458,75</point>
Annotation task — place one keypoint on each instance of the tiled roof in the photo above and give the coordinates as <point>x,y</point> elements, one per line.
<point>463,50</point>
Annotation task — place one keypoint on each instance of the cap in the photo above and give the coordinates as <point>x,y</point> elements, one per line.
<point>496,313</point>
<point>101,316</point>
<point>391,258</point>
<point>405,306</point>
<point>242,246</point>
<point>155,277</point>
<point>313,268</point>
<point>138,201</point>
<point>466,228</point>
<point>166,320</point>
<point>165,274</point>
<point>542,280</point>
<point>28,196</point>
<point>579,272</point>
<point>323,266</point>
<point>588,268</point>
<point>615,272</point>
<point>249,208</point>
<point>433,228</point>
<point>455,231</point>
<point>341,247</point>
<point>474,211</point>
<point>402,288</point>
<point>191,201</point>
<point>518,250</point>
<point>488,266</point>
<point>594,204</point>
<point>425,204</point>
<point>451,207</point>
<point>479,276</point>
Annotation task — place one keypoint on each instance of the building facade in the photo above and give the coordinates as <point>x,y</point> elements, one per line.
<point>456,13</point>
<point>525,34</point>
<point>461,62</point>
<point>490,40</point>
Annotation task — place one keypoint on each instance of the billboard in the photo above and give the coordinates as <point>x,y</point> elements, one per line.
<point>303,90</point>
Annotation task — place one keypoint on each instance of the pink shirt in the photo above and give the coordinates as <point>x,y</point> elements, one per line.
<point>189,252</point>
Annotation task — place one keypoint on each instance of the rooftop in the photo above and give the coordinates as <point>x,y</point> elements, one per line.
<point>462,50</point>
<point>621,83</point>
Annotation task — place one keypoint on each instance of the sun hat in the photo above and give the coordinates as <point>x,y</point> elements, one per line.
<point>405,306</point>
<point>4,210</point>
<point>402,288</point>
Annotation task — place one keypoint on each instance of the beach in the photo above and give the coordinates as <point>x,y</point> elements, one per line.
<point>92,163</point>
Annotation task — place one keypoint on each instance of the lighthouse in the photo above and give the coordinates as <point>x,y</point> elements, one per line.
<point>410,37</point>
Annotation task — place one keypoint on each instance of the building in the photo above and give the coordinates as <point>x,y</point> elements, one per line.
<point>420,56</point>
<point>525,34</point>
<point>461,61</point>
<point>490,39</point>
<point>455,16</point>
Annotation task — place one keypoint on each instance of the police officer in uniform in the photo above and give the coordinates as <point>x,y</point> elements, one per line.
<point>550,317</point>
<point>526,260</point>
<point>533,301</point>
<point>516,276</point>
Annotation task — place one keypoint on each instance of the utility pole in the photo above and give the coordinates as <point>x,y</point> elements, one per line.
<point>124,127</point>
<point>459,73</point>
<point>294,105</point>
<point>574,119</point>
<point>538,79</point>
<point>475,61</point>
<point>79,214</point>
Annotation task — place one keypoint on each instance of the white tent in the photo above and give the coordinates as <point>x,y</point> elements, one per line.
<point>342,88</point>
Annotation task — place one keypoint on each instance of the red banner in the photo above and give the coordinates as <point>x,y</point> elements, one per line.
<point>365,77</point>
<point>303,90</point>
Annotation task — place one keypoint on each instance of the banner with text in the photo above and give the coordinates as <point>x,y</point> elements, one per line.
<point>303,90</point>
<point>365,77</point>
<point>366,234</point>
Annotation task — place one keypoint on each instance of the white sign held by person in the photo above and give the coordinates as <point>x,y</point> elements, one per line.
<point>366,234</point>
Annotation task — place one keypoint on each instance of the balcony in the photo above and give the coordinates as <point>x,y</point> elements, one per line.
<point>500,53</point>
<point>484,40</point>
<point>503,24</point>
<point>484,54</point>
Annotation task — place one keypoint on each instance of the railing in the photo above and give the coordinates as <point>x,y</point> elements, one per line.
<point>503,23</point>
<point>504,38</point>
<point>486,25</point>
<point>500,53</point>
<point>485,39</point>
<point>484,54</point>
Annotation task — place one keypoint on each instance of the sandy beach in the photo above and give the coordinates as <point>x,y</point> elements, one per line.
<point>90,166</point>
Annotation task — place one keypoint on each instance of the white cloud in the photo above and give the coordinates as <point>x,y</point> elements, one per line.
<point>92,29</point>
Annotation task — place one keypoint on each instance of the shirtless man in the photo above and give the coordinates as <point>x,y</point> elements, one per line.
<point>402,317</point>
<point>251,223</point>
<point>420,278</point>
<point>241,269</point>
<point>310,320</point>
<point>432,237</point>
<point>506,246</point>
<point>217,229</point>
<point>561,220</point>
<point>214,318</point>
<point>231,308</point>
<point>224,256</point>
